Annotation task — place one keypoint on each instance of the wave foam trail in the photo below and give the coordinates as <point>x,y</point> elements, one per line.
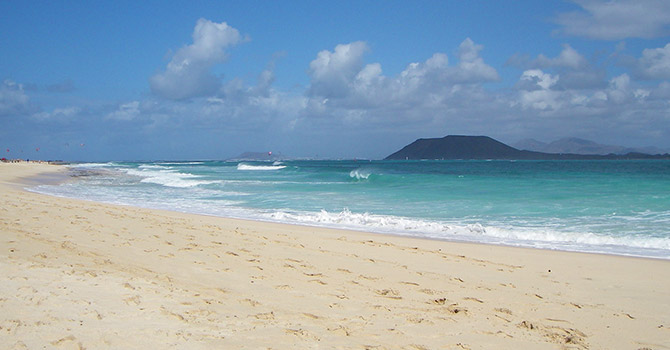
<point>383,223</point>
<point>168,177</point>
<point>243,166</point>
<point>92,165</point>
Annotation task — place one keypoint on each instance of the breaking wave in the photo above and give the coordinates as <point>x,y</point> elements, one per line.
<point>360,174</point>
<point>166,176</point>
<point>243,166</point>
<point>518,236</point>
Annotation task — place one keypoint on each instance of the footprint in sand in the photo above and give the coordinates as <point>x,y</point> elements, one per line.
<point>388,293</point>
<point>342,330</point>
<point>253,303</point>
<point>473,299</point>
<point>265,316</point>
<point>301,333</point>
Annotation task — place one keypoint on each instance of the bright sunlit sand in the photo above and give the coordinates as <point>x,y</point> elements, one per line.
<point>85,275</point>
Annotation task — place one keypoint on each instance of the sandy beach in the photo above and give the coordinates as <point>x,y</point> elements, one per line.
<point>85,275</point>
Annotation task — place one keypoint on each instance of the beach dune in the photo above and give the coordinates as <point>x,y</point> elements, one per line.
<point>85,275</point>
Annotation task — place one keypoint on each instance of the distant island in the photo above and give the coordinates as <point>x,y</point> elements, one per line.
<point>484,147</point>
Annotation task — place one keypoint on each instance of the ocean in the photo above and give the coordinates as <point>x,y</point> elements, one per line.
<point>612,207</point>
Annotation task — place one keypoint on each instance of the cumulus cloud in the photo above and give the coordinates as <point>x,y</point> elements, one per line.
<point>539,79</point>
<point>189,73</point>
<point>471,68</point>
<point>654,63</point>
<point>536,90</point>
<point>13,99</point>
<point>542,91</point>
<point>339,79</point>
<point>615,20</point>
<point>575,70</point>
<point>619,90</point>
<point>332,72</point>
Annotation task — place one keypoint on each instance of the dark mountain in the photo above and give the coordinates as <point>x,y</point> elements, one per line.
<point>484,147</point>
<point>459,147</point>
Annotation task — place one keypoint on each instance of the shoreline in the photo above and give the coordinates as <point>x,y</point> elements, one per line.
<point>584,249</point>
<point>94,275</point>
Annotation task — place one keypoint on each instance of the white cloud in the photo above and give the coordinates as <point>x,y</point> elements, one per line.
<point>615,20</point>
<point>369,75</point>
<point>655,63</point>
<point>471,68</point>
<point>189,72</point>
<point>539,78</point>
<point>126,111</point>
<point>543,91</point>
<point>419,74</point>
<point>568,57</point>
<point>332,72</point>
<point>13,99</point>
<point>575,70</point>
<point>340,80</point>
<point>536,92</point>
<point>619,89</point>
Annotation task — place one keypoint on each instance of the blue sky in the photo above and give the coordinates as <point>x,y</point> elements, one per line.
<point>209,80</point>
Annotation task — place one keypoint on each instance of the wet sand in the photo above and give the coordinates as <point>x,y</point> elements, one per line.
<point>85,275</point>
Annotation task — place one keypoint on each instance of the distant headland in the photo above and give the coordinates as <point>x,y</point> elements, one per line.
<point>484,147</point>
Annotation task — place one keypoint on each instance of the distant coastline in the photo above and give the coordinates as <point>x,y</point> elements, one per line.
<point>484,147</point>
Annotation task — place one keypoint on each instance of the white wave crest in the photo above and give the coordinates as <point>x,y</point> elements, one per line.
<point>181,163</point>
<point>243,166</point>
<point>153,166</point>
<point>360,174</point>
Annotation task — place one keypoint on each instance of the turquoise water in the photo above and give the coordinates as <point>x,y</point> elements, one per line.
<point>618,207</point>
